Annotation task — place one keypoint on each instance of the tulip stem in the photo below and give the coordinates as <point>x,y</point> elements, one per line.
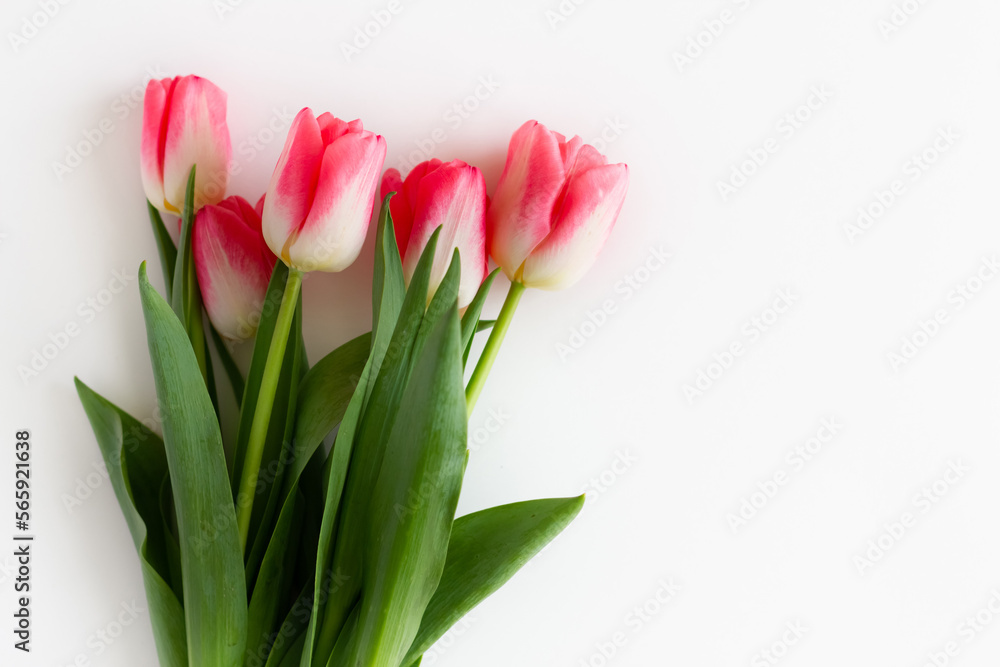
<point>489,354</point>
<point>265,403</point>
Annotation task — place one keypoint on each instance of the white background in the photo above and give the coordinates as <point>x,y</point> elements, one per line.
<point>567,418</point>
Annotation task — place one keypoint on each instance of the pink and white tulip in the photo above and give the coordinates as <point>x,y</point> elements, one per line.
<point>320,199</point>
<point>184,124</point>
<point>553,209</point>
<point>233,264</point>
<point>449,195</point>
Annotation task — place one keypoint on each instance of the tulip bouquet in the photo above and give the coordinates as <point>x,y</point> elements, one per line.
<point>319,529</point>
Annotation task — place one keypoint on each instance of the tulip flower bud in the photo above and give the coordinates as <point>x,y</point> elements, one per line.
<point>184,125</point>
<point>451,196</point>
<point>233,264</point>
<point>320,199</point>
<point>553,209</point>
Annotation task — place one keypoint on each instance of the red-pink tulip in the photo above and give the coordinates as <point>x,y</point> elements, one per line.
<point>183,125</point>
<point>553,209</point>
<point>321,195</point>
<point>233,264</point>
<point>451,196</point>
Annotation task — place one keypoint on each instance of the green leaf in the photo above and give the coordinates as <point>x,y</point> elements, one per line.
<point>185,297</point>
<point>336,474</point>
<point>366,458</point>
<point>414,500</point>
<point>172,547</point>
<point>486,549</point>
<point>470,320</point>
<point>290,640</point>
<point>165,245</point>
<point>445,298</point>
<point>211,561</point>
<point>228,364</point>
<point>185,280</point>
<point>324,395</point>
<point>388,285</point>
<point>137,466</point>
<point>273,580</point>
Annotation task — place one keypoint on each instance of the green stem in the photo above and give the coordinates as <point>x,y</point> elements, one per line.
<point>489,354</point>
<point>265,403</point>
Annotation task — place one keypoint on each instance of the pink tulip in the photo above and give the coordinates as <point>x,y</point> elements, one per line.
<point>553,209</point>
<point>233,264</point>
<point>321,195</point>
<point>451,196</point>
<point>184,124</point>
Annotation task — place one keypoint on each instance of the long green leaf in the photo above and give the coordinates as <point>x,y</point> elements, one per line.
<point>165,246</point>
<point>185,279</point>
<point>413,501</point>
<point>324,395</point>
<point>366,458</point>
<point>228,364</point>
<point>272,581</point>
<point>290,640</point>
<point>388,285</point>
<point>445,298</point>
<point>486,549</point>
<point>185,296</point>
<point>329,591</point>
<point>215,601</point>
<point>137,466</point>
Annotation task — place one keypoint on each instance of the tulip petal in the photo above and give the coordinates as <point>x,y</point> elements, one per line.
<point>293,184</point>
<point>518,217</point>
<point>587,213</point>
<point>155,112</point>
<point>233,266</point>
<point>335,229</point>
<point>451,196</point>
<point>196,134</point>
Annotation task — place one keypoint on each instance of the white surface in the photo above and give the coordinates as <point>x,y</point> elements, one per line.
<point>566,420</point>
